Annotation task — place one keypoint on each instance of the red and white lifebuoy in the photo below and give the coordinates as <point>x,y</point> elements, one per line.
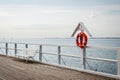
<point>81,40</point>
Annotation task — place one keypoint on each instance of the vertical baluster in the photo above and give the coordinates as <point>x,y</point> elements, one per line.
<point>118,57</point>
<point>59,56</point>
<point>26,45</point>
<point>83,56</point>
<point>40,53</point>
<point>15,48</point>
<point>6,45</point>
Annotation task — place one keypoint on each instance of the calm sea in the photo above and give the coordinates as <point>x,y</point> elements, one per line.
<point>107,67</point>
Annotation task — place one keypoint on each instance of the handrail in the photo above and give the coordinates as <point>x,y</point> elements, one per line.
<point>42,44</point>
<point>95,46</point>
<point>82,57</point>
<point>103,47</point>
<point>102,59</point>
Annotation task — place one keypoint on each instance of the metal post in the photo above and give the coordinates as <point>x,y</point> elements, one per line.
<point>83,56</point>
<point>26,45</point>
<point>6,45</point>
<point>15,48</point>
<point>118,57</point>
<point>59,56</point>
<point>40,53</point>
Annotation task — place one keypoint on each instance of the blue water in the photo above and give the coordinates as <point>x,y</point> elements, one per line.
<point>107,67</point>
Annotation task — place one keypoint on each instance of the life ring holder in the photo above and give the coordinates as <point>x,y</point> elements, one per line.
<point>81,40</point>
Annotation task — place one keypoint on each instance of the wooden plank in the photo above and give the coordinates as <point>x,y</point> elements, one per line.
<point>15,69</point>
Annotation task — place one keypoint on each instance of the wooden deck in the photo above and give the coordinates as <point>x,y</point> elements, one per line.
<point>15,69</point>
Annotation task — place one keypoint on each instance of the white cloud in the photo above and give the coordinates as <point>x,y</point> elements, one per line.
<point>108,7</point>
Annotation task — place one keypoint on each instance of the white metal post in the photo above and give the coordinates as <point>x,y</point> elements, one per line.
<point>59,57</point>
<point>26,45</point>
<point>15,48</point>
<point>6,48</point>
<point>83,56</point>
<point>118,57</point>
<point>40,53</point>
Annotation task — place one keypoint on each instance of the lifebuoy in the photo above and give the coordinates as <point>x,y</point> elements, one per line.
<point>81,39</point>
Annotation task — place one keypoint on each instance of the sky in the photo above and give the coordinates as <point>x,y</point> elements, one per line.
<point>58,18</point>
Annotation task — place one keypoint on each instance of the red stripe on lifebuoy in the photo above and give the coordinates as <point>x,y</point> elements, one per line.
<point>81,40</point>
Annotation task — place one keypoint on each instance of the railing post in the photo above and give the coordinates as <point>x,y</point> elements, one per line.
<point>26,45</point>
<point>118,57</point>
<point>83,58</point>
<point>40,53</point>
<point>6,45</point>
<point>59,56</point>
<point>15,48</point>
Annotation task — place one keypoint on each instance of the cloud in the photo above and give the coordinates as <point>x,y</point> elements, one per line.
<point>107,10</point>
<point>46,21</point>
<point>29,10</point>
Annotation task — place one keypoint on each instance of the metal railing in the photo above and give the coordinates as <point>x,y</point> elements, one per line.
<point>83,56</point>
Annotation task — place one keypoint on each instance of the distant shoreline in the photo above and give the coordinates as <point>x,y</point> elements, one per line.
<point>89,38</point>
<point>66,38</point>
<point>105,38</point>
